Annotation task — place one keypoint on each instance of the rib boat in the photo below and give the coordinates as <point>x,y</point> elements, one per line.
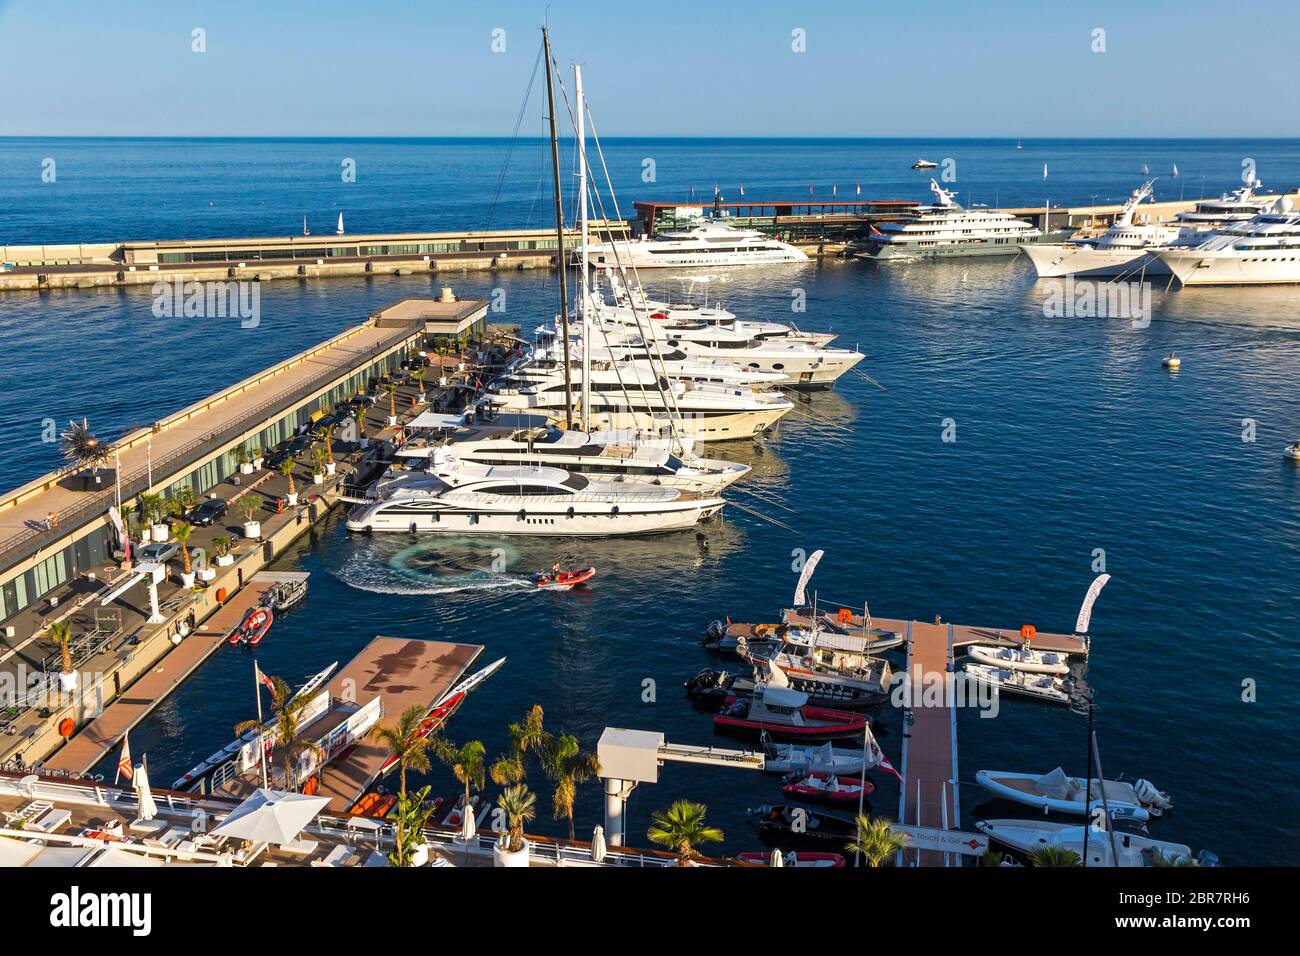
<point>1055,791</point>
<point>784,714</point>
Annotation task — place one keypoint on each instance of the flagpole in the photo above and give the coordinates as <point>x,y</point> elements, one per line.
<point>261,750</point>
<point>862,783</point>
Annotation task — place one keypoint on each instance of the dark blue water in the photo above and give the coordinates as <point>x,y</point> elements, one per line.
<point>1070,438</point>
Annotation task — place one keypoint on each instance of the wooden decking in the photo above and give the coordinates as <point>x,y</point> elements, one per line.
<point>106,731</point>
<point>930,742</point>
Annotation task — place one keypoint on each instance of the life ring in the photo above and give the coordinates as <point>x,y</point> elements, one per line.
<point>279,506</point>
<point>845,616</point>
<point>1027,632</point>
<point>66,727</point>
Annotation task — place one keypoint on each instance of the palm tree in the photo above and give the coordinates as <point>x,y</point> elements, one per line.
<point>1054,856</point>
<point>519,804</point>
<point>250,506</point>
<point>360,416</point>
<point>412,816</point>
<point>468,764</point>
<point>417,373</point>
<point>405,743</point>
<point>286,469</point>
<point>568,765</point>
<point>327,436</point>
<point>681,828</point>
<point>527,735</point>
<point>391,389</point>
<point>61,631</point>
<point>183,530</point>
<point>1159,858</point>
<point>153,507</point>
<point>82,449</point>
<point>288,728</point>
<point>875,840</point>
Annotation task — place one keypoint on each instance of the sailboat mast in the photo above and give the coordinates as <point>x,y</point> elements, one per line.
<point>559,232</point>
<point>582,218</point>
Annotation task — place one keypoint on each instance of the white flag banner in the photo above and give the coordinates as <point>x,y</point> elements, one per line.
<point>1085,612</point>
<point>808,570</point>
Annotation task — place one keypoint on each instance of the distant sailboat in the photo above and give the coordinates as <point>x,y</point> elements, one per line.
<point>305,230</point>
<point>339,230</point>
<point>859,188</point>
<point>1175,172</point>
<point>1044,170</point>
<point>1019,145</point>
<point>742,189</point>
<point>1145,170</point>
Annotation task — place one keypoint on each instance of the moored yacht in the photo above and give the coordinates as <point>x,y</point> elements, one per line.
<point>705,242</point>
<point>461,498</point>
<point>944,229</point>
<point>1260,251</point>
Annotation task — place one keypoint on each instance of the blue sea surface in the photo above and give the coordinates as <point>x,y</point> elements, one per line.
<point>1073,447</point>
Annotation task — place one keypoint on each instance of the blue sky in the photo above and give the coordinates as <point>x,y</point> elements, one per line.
<point>1015,68</point>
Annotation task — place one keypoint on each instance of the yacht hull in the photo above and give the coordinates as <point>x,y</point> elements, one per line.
<point>705,427</point>
<point>1058,259</point>
<point>586,522</point>
<point>888,251</point>
<point>1195,267</point>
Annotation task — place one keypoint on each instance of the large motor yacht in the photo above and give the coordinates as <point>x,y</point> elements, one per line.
<point>457,497</point>
<point>705,242</point>
<point>1263,250</point>
<point>944,229</point>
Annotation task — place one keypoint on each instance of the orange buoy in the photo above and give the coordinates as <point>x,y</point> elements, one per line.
<point>66,727</point>
<point>845,615</point>
<point>221,595</point>
<point>309,788</point>
<point>1027,632</point>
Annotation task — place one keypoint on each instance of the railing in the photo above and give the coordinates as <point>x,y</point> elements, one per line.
<point>22,544</point>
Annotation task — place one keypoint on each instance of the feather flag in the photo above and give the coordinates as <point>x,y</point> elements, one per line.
<point>124,766</point>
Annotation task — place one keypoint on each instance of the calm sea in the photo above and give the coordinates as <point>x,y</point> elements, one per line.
<point>1072,446</point>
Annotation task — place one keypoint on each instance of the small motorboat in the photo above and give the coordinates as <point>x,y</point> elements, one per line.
<point>285,594</point>
<point>794,758</point>
<point>254,626</point>
<point>795,858</point>
<point>1045,687</point>
<point>828,788</point>
<point>1292,451</point>
<point>714,687</point>
<point>1172,362</point>
<point>799,823</point>
<point>784,714</point>
<point>1055,791</point>
<point>1130,849</point>
<point>924,164</point>
<point>1019,659</point>
<point>558,580</point>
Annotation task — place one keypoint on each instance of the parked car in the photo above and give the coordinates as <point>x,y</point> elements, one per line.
<point>317,429</point>
<point>288,449</point>
<point>209,511</point>
<point>159,553</point>
<point>360,401</point>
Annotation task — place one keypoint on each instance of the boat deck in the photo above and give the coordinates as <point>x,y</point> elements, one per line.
<point>106,731</point>
<point>403,672</point>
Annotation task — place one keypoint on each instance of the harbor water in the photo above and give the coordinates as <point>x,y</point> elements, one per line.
<point>998,455</point>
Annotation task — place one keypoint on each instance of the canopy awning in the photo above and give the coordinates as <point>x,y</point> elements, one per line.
<point>271,816</point>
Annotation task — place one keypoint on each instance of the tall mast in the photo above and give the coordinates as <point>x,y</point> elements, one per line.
<point>582,218</point>
<point>559,232</point>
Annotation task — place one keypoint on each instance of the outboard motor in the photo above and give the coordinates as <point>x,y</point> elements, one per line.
<point>714,633</point>
<point>1156,801</point>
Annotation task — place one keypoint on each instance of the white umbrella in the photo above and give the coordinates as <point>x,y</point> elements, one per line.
<point>147,809</point>
<point>467,829</point>
<point>271,816</point>
<point>598,844</point>
<point>777,859</point>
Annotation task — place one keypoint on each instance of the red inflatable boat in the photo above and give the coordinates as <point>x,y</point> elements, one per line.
<point>825,788</point>
<point>563,580</point>
<point>253,627</point>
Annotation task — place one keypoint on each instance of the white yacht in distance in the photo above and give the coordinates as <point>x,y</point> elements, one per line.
<point>1260,251</point>
<point>705,242</point>
<point>455,497</point>
<point>945,229</point>
<point>1235,206</point>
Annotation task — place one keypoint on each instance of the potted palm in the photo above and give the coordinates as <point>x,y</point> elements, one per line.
<point>519,804</point>
<point>681,828</point>
<point>155,515</point>
<point>242,460</point>
<point>391,389</point>
<point>256,455</point>
<point>328,438</point>
<point>250,506</point>
<point>61,631</point>
<point>417,373</point>
<point>568,766</point>
<point>222,544</point>
<point>362,440</point>
<point>286,469</point>
<point>317,466</point>
<point>876,841</point>
<point>410,848</point>
<point>183,530</point>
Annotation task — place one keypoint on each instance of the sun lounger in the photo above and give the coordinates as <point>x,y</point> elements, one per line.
<point>300,847</point>
<point>337,857</point>
<point>148,828</point>
<point>51,821</point>
<point>376,858</point>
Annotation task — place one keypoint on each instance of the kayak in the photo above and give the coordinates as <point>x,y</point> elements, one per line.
<point>254,626</point>
<point>566,579</point>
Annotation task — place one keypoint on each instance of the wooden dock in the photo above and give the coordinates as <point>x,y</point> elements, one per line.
<point>963,634</point>
<point>928,794</point>
<point>106,731</point>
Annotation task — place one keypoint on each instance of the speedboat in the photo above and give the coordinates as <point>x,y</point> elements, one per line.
<point>251,630</point>
<point>1045,687</point>
<point>821,666</point>
<point>285,594</point>
<point>1292,451</point>
<point>798,858</point>
<point>1055,791</point>
<point>828,788</point>
<point>565,580</point>
<point>796,758</point>
<point>784,713</point>
<point>924,164</point>
<point>1129,849</point>
<point>1019,659</point>
<point>799,823</point>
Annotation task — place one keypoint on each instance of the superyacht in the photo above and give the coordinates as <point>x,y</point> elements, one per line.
<point>704,242</point>
<point>1260,251</point>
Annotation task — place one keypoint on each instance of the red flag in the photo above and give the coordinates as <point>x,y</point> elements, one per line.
<point>878,755</point>
<point>124,768</point>
<point>270,684</point>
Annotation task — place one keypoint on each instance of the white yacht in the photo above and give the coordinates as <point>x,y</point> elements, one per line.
<point>630,396</point>
<point>623,459</point>
<point>456,497</point>
<point>1260,251</point>
<point>944,229</point>
<point>1125,249</point>
<point>705,242</point>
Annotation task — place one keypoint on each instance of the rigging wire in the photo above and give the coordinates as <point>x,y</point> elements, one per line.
<point>519,120</point>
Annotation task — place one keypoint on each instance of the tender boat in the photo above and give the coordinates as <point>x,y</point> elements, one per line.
<point>254,626</point>
<point>793,758</point>
<point>1292,452</point>
<point>1055,791</point>
<point>829,668</point>
<point>795,858</point>
<point>1044,687</point>
<point>1019,659</point>
<point>285,594</point>
<point>828,788</point>
<point>565,580</point>
<point>784,714</point>
<point>1130,849</point>
<point>800,823</point>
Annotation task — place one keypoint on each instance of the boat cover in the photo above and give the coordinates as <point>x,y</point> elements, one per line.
<point>1055,785</point>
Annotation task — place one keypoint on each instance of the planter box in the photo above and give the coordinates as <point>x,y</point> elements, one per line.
<point>502,857</point>
<point>207,574</point>
<point>331,467</point>
<point>225,560</point>
<point>318,479</point>
<point>292,499</point>
<point>246,468</point>
<point>187,580</point>
<point>161,532</point>
<point>252,529</point>
<point>67,682</point>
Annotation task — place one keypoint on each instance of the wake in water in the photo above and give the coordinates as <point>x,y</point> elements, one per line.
<point>440,566</point>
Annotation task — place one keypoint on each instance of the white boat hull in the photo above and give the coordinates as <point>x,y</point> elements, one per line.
<point>1195,267</point>
<point>1059,259</point>
<point>589,521</point>
<point>1034,662</point>
<point>1121,798</point>
<point>1130,849</point>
